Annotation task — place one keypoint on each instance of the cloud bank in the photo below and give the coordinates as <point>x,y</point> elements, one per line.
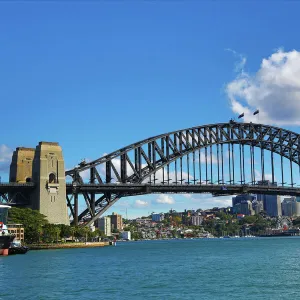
<point>274,89</point>
<point>5,157</point>
<point>165,199</point>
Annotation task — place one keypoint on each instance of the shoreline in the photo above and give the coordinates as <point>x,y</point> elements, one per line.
<point>67,245</point>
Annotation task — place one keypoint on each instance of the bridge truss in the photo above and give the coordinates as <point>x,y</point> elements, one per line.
<point>225,158</point>
<point>10,192</point>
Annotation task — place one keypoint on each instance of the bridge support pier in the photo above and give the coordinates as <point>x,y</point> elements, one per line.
<point>93,195</point>
<point>75,208</point>
<point>44,166</point>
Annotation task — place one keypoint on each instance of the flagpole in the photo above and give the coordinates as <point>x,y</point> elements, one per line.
<point>256,113</point>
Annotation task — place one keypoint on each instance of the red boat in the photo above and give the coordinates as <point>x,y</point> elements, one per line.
<point>5,237</point>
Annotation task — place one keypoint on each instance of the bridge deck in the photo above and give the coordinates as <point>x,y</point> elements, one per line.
<point>215,189</point>
<point>15,186</point>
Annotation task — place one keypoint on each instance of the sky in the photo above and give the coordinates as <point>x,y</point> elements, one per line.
<point>97,76</point>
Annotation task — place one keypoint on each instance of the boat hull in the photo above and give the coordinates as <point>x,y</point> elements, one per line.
<point>17,250</point>
<point>5,241</point>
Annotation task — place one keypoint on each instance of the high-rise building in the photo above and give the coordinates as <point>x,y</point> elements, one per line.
<point>157,217</point>
<point>243,197</point>
<point>297,206</point>
<point>257,206</point>
<point>271,203</point>
<point>242,204</point>
<point>246,208</point>
<point>290,207</point>
<point>116,221</point>
<point>104,224</point>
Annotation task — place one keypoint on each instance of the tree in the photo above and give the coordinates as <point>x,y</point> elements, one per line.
<point>32,220</point>
<point>296,221</point>
<point>72,231</point>
<point>50,233</point>
<point>65,231</point>
<point>248,220</point>
<point>176,220</point>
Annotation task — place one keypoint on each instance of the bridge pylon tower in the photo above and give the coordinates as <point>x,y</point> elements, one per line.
<point>44,166</point>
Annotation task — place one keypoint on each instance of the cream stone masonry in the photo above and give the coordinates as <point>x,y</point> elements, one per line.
<point>47,171</point>
<point>21,165</point>
<point>21,172</point>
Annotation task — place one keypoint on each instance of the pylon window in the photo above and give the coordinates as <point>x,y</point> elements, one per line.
<point>52,178</point>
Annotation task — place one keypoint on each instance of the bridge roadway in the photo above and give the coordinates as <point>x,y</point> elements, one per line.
<point>215,189</point>
<point>136,188</point>
<point>15,186</point>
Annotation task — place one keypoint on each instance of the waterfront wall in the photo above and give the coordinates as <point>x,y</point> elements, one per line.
<point>67,245</point>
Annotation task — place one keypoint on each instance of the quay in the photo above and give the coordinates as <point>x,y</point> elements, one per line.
<point>68,245</point>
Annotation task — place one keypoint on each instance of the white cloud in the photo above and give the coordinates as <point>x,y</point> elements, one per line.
<point>188,196</point>
<point>165,199</point>
<point>5,157</point>
<point>267,176</point>
<point>240,64</point>
<point>140,203</point>
<point>85,175</point>
<point>203,160</point>
<point>124,203</point>
<point>274,89</point>
<point>207,201</point>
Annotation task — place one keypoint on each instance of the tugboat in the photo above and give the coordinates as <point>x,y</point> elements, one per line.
<point>5,237</point>
<point>17,248</point>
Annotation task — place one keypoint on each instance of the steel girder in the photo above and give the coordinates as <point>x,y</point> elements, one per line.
<point>215,189</point>
<point>16,193</point>
<point>141,160</point>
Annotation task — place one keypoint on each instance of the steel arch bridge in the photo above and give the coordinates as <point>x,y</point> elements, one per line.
<point>224,158</point>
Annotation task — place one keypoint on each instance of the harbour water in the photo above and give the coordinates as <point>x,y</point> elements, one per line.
<point>243,268</point>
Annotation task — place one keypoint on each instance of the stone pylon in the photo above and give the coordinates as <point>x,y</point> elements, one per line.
<point>47,171</point>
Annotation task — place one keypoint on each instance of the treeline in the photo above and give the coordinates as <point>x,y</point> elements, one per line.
<point>38,230</point>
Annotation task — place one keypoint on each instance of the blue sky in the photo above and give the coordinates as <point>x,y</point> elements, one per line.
<point>97,76</point>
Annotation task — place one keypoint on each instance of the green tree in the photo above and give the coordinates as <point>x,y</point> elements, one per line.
<point>72,231</point>
<point>65,231</point>
<point>296,222</point>
<point>176,220</point>
<point>32,220</point>
<point>50,233</point>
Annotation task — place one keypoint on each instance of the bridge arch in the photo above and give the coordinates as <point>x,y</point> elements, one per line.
<point>139,161</point>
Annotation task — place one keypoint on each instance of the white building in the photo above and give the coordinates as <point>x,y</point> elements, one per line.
<point>143,221</point>
<point>290,207</point>
<point>104,224</point>
<point>196,220</point>
<point>126,235</point>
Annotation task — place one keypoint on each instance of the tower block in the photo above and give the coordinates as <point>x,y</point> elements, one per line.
<point>49,174</point>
